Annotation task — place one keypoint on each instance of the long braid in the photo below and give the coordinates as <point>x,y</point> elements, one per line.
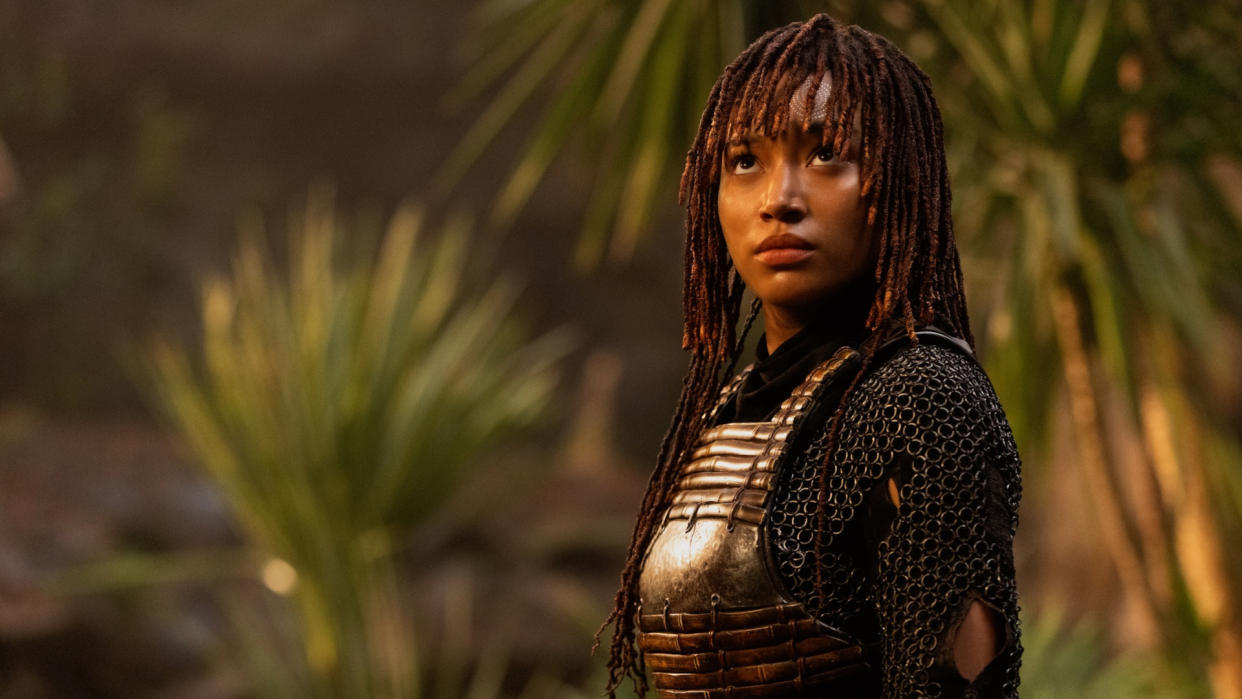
<point>904,183</point>
<point>741,336</point>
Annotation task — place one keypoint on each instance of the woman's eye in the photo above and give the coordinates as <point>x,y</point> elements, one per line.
<point>744,163</point>
<point>824,155</point>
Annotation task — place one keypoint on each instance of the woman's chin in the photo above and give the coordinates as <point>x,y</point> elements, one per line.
<point>810,298</point>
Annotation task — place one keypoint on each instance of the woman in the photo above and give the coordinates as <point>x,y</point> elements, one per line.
<point>838,520</point>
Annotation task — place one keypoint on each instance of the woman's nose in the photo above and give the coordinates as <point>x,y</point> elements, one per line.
<point>784,200</point>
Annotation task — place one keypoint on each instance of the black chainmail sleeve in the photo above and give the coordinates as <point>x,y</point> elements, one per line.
<point>904,577</point>
<point>930,418</point>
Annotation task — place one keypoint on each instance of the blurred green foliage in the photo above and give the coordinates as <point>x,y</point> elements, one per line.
<point>84,236</point>
<point>1063,659</point>
<point>338,406</point>
<point>114,192</point>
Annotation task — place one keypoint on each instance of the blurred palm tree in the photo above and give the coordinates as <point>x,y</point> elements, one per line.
<point>337,407</point>
<point>1085,136</point>
<point>1099,196</point>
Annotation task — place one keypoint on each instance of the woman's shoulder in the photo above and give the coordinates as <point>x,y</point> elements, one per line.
<point>927,400</point>
<point>927,376</point>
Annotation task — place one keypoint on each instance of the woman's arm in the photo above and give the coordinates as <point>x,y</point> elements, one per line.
<point>941,521</point>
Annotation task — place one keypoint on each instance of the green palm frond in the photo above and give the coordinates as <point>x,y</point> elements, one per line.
<point>366,392</point>
<point>337,405</point>
<point>627,80</point>
<point>1051,198</point>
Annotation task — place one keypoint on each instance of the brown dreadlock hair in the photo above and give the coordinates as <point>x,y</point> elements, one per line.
<point>905,185</point>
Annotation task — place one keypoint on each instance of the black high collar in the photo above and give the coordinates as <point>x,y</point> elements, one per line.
<point>776,375</point>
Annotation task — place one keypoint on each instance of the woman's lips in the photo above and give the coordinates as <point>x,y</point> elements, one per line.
<point>783,250</point>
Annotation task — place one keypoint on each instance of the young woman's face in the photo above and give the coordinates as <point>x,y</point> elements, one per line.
<point>793,216</point>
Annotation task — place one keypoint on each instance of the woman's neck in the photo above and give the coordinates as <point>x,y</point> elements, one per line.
<point>779,325</point>
<point>846,310</point>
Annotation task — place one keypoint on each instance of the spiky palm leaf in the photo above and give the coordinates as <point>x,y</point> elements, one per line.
<point>628,82</point>
<point>338,405</point>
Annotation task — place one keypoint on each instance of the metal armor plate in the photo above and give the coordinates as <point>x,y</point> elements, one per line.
<point>713,620</point>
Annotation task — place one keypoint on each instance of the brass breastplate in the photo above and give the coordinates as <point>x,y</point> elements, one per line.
<point>714,620</point>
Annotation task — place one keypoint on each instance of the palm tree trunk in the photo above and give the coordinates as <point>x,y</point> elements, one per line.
<point>1196,537</point>
<point>1099,479</point>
